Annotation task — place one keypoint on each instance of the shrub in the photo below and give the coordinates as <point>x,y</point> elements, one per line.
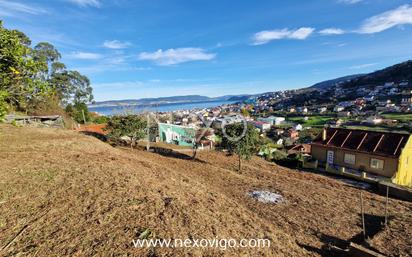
<point>100,119</point>
<point>3,105</point>
<point>131,126</point>
<point>77,111</point>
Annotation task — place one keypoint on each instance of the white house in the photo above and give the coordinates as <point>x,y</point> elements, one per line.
<point>322,109</point>
<point>374,120</point>
<point>272,120</point>
<point>338,108</point>
<point>298,127</point>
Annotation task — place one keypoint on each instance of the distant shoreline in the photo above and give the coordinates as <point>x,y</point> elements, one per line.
<point>161,107</point>
<point>124,104</point>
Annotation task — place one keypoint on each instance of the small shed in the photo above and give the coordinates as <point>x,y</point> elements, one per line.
<point>55,121</point>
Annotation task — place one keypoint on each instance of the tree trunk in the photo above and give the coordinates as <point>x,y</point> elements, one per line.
<point>240,164</point>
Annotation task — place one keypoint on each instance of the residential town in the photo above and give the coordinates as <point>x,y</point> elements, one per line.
<point>291,129</point>
<point>205,128</point>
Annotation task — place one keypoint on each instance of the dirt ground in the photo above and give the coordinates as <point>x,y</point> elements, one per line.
<point>67,194</point>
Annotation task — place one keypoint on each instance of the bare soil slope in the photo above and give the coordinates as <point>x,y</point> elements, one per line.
<point>63,193</point>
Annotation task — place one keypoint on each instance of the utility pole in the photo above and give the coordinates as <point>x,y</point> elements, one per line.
<point>363,216</point>
<point>148,132</point>
<point>386,206</point>
<point>84,120</point>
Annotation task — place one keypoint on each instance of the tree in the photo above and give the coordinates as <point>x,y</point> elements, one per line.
<point>245,112</point>
<point>200,136</point>
<point>241,140</point>
<point>46,53</point>
<point>131,126</point>
<point>33,78</point>
<point>71,86</point>
<point>19,70</point>
<point>3,105</point>
<point>308,135</point>
<point>78,111</point>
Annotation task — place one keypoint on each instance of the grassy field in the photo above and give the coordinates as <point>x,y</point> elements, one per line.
<point>377,128</point>
<point>403,117</point>
<point>67,194</point>
<point>312,120</point>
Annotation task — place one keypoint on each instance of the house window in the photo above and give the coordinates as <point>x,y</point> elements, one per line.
<point>377,164</point>
<point>349,159</point>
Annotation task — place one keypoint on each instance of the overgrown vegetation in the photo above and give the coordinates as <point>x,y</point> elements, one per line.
<point>33,80</point>
<point>128,128</point>
<point>3,105</point>
<point>78,111</point>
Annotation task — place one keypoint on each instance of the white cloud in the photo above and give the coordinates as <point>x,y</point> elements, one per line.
<point>266,36</point>
<point>349,1</point>
<point>178,55</point>
<point>399,16</point>
<point>301,33</point>
<point>332,31</point>
<point>362,66</point>
<point>84,3</point>
<point>84,56</point>
<point>116,44</point>
<point>8,8</point>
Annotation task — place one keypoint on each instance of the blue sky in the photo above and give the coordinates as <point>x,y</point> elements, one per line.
<point>134,49</point>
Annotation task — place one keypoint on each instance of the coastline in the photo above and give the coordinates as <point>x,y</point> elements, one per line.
<point>158,107</point>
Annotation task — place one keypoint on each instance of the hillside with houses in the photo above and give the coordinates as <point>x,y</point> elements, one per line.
<point>65,193</point>
<point>205,128</point>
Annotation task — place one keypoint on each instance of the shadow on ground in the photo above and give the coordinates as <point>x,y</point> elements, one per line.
<point>94,134</point>
<point>174,154</point>
<point>335,247</point>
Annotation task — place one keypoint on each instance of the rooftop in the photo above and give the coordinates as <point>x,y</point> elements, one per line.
<point>371,142</point>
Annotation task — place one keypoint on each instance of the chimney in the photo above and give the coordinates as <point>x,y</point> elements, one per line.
<point>324,134</point>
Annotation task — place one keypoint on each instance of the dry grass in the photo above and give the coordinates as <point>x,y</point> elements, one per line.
<point>62,193</point>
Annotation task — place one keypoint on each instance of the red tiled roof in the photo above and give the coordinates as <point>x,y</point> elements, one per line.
<point>372,142</point>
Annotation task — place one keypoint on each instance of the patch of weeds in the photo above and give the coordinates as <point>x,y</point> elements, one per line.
<point>2,223</point>
<point>46,175</point>
<point>109,218</point>
<point>145,234</point>
<point>6,193</point>
<point>15,124</point>
<point>136,201</point>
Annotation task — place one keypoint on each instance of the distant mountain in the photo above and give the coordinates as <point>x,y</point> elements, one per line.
<point>396,73</point>
<point>168,100</point>
<point>333,82</point>
<point>239,98</point>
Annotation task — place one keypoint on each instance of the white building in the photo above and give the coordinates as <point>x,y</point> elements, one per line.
<point>298,127</point>
<point>338,108</point>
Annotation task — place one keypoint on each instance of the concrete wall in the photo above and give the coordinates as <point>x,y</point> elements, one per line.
<point>362,160</point>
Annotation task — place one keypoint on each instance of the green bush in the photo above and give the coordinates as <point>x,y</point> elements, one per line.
<point>131,126</point>
<point>279,155</point>
<point>77,110</point>
<point>3,105</point>
<point>100,119</point>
